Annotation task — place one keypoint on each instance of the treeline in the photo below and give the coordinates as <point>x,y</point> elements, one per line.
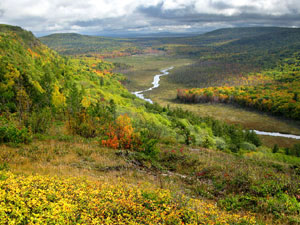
<point>280,96</point>
<point>210,73</point>
<point>230,137</point>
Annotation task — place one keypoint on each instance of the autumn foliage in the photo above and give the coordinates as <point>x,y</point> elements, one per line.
<point>120,134</point>
<point>278,93</point>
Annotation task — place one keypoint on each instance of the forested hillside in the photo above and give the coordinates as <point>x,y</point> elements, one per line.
<point>78,148</point>
<point>76,44</point>
<point>260,72</point>
<point>38,83</point>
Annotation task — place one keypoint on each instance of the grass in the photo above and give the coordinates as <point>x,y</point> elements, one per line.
<point>216,177</point>
<point>145,67</point>
<point>198,173</point>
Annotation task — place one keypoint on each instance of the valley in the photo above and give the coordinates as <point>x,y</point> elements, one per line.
<point>80,145</point>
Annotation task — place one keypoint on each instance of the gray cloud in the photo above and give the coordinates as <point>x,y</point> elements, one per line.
<point>121,16</point>
<point>1,12</point>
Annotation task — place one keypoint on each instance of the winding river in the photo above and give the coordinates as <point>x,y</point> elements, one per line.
<point>155,85</point>
<point>165,72</point>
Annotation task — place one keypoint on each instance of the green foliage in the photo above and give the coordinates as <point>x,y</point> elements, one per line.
<point>236,202</point>
<point>275,148</point>
<point>10,133</point>
<point>83,124</point>
<point>74,44</point>
<point>4,166</point>
<point>149,144</point>
<point>248,146</point>
<point>182,129</point>
<point>274,90</point>
<point>220,143</point>
<point>296,150</point>
<point>39,121</point>
<point>208,142</point>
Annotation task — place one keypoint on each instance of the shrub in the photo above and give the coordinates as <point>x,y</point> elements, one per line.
<point>248,146</point>
<point>10,133</point>
<point>207,142</point>
<point>238,202</point>
<point>220,143</point>
<point>76,201</point>
<point>280,205</point>
<point>120,134</point>
<point>39,121</point>
<point>148,144</point>
<point>83,124</point>
<point>275,148</point>
<point>296,150</point>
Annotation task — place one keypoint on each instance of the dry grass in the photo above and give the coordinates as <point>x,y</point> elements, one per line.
<point>89,160</point>
<point>75,159</point>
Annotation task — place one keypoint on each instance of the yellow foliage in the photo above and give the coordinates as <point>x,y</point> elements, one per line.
<point>23,99</point>
<point>51,200</point>
<point>11,75</point>
<point>85,102</point>
<point>38,86</point>
<point>58,99</point>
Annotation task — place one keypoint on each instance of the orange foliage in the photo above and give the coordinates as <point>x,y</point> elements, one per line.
<point>33,54</point>
<point>121,134</point>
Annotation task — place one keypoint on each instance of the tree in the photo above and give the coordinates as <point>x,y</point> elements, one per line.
<point>275,148</point>
<point>74,99</point>
<point>23,102</point>
<point>296,150</point>
<point>112,108</point>
<point>295,97</point>
<point>58,98</point>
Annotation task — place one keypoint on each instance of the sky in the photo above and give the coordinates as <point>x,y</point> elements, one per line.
<point>99,17</point>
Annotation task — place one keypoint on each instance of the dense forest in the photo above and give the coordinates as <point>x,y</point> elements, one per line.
<point>264,75</point>
<point>72,116</point>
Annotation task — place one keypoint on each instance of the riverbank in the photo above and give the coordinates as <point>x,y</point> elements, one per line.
<point>155,84</point>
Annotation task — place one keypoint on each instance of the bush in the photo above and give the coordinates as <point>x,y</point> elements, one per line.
<point>120,134</point>
<point>207,142</point>
<point>296,150</point>
<point>280,205</point>
<point>39,121</point>
<point>238,202</point>
<point>253,138</point>
<point>83,125</point>
<point>148,145</point>
<point>10,133</point>
<point>220,143</point>
<point>77,201</point>
<point>248,146</point>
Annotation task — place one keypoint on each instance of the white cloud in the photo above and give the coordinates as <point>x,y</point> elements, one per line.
<point>69,15</point>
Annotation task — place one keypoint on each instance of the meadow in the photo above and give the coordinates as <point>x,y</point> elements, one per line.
<point>142,68</point>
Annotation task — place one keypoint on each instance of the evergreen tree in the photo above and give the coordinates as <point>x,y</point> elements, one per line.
<point>275,148</point>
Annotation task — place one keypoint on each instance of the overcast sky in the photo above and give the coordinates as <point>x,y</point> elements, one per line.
<point>146,16</point>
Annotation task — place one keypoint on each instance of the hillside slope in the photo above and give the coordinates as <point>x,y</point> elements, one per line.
<point>75,44</point>
<point>65,117</point>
